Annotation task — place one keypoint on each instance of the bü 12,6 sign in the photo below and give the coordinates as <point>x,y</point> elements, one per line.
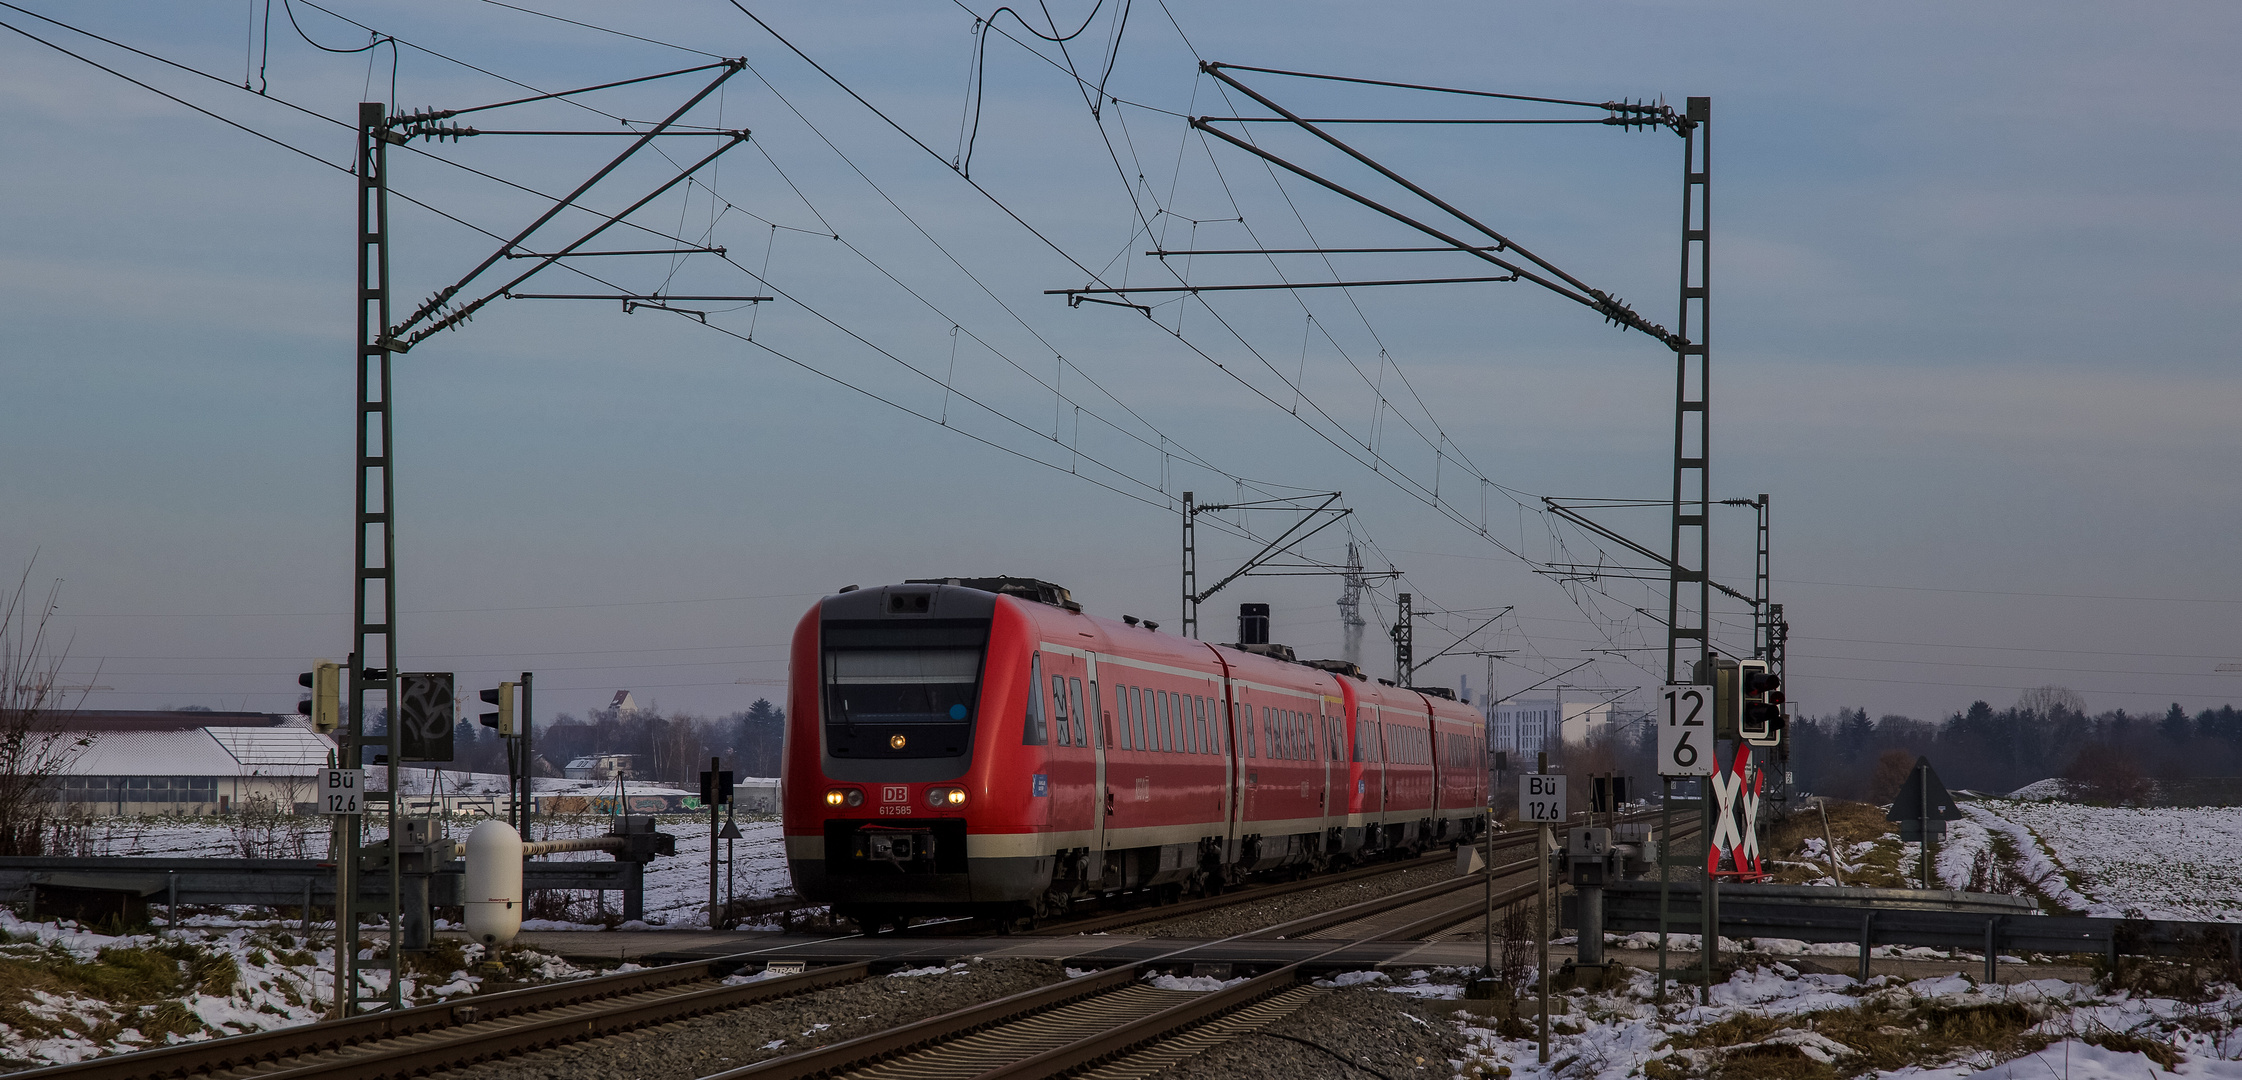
<point>1541,799</point>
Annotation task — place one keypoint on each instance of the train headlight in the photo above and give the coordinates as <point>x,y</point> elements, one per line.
<point>844,797</point>
<point>944,797</point>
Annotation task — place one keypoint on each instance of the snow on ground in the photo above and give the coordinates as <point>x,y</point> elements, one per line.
<point>2054,787</point>
<point>96,994</point>
<point>677,886</point>
<point>1775,1011</point>
<point>2114,862</point>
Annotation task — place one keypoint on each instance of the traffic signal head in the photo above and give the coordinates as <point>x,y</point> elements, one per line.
<point>1762,721</point>
<point>1725,676</point>
<point>324,706</point>
<point>503,719</point>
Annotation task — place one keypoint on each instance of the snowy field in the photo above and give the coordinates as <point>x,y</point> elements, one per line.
<point>676,887</point>
<point>1885,1028</point>
<point>94,994</point>
<point>2117,862</point>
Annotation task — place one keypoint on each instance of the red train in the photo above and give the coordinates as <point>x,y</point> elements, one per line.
<point>981,746</point>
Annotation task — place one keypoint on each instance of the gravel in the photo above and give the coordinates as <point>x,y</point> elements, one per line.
<point>711,1044</point>
<point>1357,1033</point>
<point>1257,914</point>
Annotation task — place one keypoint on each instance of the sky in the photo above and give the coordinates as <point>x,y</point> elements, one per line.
<point>1973,272</point>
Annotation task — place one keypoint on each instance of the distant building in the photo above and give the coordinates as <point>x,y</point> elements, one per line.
<point>191,763</point>
<point>1525,726</point>
<point>600,766</point>
<point>623,703</point>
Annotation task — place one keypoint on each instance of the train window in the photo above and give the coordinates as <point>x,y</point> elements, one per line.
<point>1199,744</point>
<point>1136,716</point>
<point>1269,732</point>
<point>1167,722</point>
<point>1121,705</point>
<point>1074,699</point>
<point>1033,733</point>
<point>1059,710</point>
<point>1337,736</point>
<point>1244,717</point>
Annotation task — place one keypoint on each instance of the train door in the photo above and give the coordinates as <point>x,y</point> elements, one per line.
<point>1330,742</point>
<point>1101,735</point>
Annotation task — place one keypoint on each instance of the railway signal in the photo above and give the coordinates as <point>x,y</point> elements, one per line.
<point>324,706</point>
<point>1760,694</point>
<point>501,696</point>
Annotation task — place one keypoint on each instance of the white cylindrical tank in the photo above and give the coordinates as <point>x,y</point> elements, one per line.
<point>493,889</point>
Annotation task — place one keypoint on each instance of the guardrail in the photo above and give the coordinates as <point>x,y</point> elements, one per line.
<point>271,882</point>
<point>1975,921</point>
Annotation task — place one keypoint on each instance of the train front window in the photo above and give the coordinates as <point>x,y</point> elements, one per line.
<point>885,704</point>
<point>902,686</point>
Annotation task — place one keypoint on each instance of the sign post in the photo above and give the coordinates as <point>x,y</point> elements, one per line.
<point>1541,800</point>
<point>339,795</point>
<point>1685,749</point>
<point>1922,808</point>
<point>716,792</point>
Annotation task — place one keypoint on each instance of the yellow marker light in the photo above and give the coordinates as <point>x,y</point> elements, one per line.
<point>895,742</point>
<point>955,797</point>
<point>945,796</point>
<point>836,797</point>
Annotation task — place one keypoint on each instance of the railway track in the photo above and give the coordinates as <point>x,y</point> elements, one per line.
<point>1112,1026</point>
<point>426,1038</point>
<point>1133,1029</point>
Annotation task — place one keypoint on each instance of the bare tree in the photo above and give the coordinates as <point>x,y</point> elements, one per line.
<point>2051,701</point>
<point>34,749</point>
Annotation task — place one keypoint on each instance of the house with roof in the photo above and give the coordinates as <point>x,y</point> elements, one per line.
<point>190,762</point>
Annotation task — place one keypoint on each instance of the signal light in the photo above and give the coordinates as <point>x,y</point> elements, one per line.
<point>324,706</point>
<point>942,797</point>
<point>1762,721</point>
<point>503,697</point>
<point>844,797</point>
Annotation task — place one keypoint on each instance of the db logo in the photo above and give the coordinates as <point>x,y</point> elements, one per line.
<point>895,793</point>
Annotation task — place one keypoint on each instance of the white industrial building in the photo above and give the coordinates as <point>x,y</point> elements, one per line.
<point>1524,726</point>
<point>190,763</point>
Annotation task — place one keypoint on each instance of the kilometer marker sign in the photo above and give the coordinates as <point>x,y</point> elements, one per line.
<point>1685,730</point>
<point>1541,798</point>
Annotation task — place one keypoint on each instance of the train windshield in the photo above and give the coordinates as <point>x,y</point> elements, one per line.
<point>903,688</point>
<point>887,687</point>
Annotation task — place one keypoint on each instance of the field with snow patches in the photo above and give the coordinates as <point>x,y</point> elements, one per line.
<point>676,887</point>
<point>68,993</point>
<point>2115,862</point>
<point>1772,1021</point>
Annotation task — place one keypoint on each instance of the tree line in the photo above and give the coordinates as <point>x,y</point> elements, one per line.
<point>2112,756</point>
<point>672,749</point>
